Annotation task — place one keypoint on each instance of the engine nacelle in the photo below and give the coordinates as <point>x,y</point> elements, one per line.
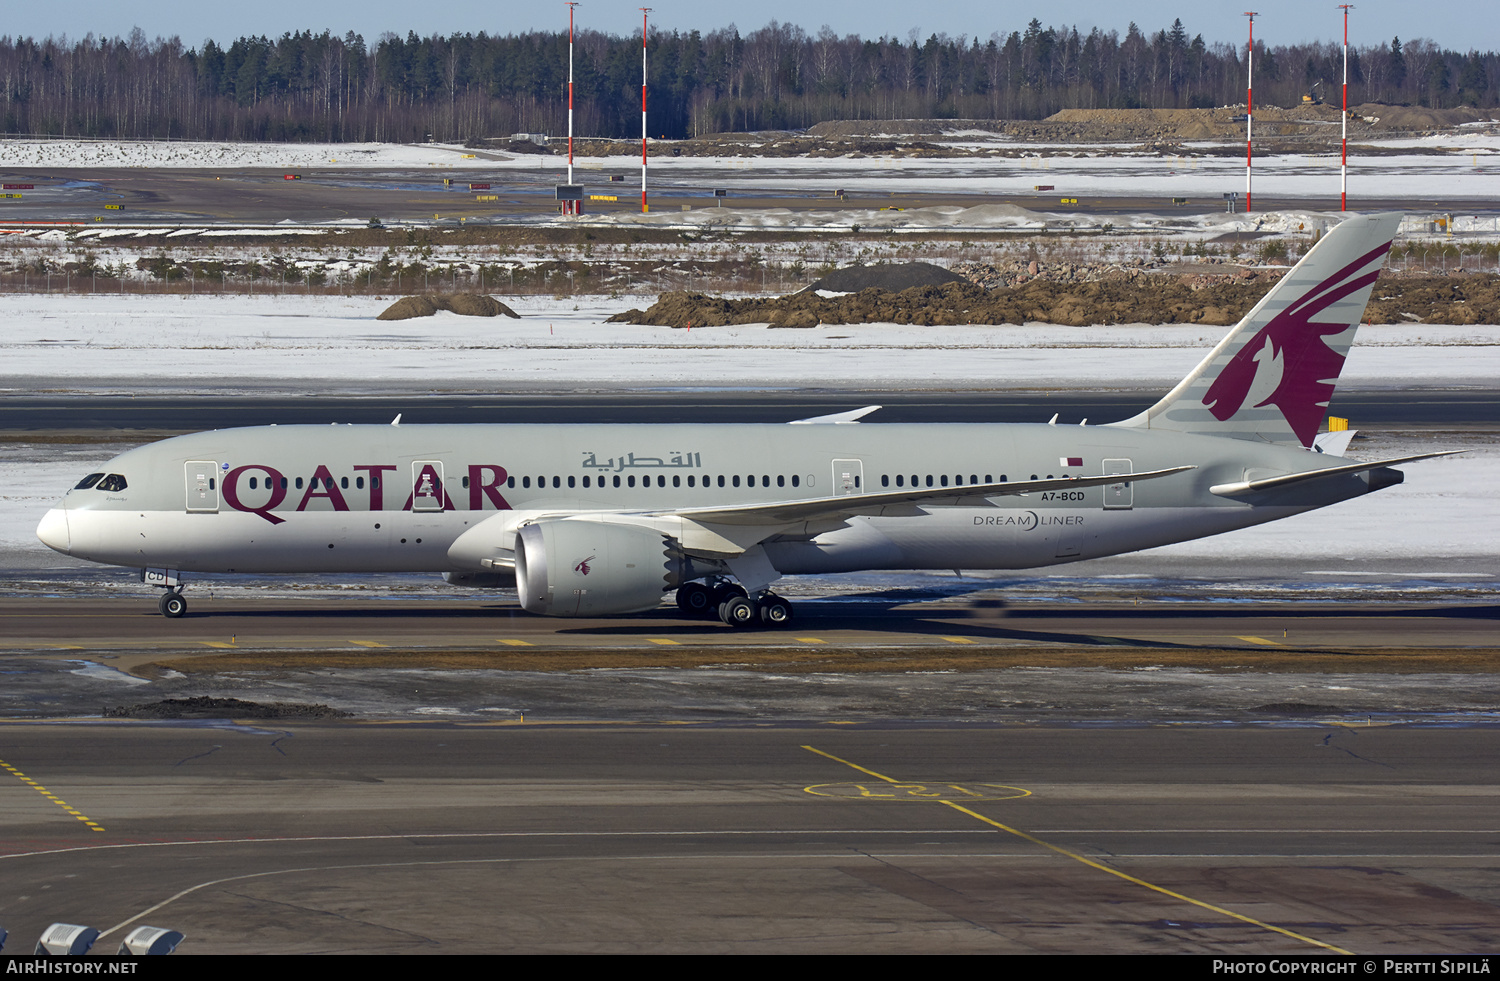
<point>594,566</point>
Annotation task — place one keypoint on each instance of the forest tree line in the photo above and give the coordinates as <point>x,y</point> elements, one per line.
<point>322,87</point>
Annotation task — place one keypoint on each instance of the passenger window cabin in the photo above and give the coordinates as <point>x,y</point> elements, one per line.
<point>782,481</point>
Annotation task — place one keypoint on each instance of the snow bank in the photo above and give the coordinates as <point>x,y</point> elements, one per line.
<point>142,343</point>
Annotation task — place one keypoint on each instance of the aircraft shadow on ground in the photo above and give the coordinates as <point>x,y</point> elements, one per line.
<point>1280,611</point>
<point>897,616</point>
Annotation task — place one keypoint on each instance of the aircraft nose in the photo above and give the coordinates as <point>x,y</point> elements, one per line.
<point>53,531</point>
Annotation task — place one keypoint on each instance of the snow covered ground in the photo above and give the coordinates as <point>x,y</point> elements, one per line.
<point>149,343</point>
<point>1451,167</point>
<point>1439,527</point>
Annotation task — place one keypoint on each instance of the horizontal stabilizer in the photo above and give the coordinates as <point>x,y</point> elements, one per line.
<point>1334,443</point>
<point>846,505</point>
<point>1240,488</point>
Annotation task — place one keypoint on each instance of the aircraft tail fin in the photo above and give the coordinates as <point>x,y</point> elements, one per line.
<point>1272,377</point>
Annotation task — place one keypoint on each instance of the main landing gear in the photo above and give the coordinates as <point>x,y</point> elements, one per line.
<point>731,604</point>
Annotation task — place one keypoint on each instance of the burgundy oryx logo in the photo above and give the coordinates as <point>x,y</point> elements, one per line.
<point>582,568</point>
<point>1298,366</point>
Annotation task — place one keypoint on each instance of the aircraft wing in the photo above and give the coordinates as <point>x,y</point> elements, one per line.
<point>1241,487</point>
<point>847,505</point>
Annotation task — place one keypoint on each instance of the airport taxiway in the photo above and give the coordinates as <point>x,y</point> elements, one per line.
<point>1449,409</point>
<point>864,660</point>
<point>330,194</point>
<point>436,625</point>
<point>823,838</point>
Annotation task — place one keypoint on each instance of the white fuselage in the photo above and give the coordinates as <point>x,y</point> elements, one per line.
<point>395,498</point>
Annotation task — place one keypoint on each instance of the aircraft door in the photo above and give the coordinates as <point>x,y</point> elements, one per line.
<point>427,493</point>
<point>202,480</point>
<point>1118,497</point>
<point>848,477</point>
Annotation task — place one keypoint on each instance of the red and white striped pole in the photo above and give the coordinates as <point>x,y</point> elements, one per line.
<point>570,91</point>
<point>644,12</point>
<point>1344,118</point>
<point>1249,103</point>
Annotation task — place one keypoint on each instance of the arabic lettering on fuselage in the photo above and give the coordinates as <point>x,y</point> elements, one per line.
<point>627,461</point>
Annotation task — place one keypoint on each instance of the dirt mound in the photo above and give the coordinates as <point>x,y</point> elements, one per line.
<point>524,146</point>
<point>204,707</point>
<point>408,307</point>
<point>961,303</point>
<point>892,276</point>
<point>1307,121</point>
<point>1153,299</point>
<point>847,128</point>
<point>1466,299</point>
<point>467,304</point>
<point>475,305</point>
<point>1418,118</point>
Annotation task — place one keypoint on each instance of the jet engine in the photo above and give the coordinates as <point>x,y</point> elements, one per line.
<point>593,566</point>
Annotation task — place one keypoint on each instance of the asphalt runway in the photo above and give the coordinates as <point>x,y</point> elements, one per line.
<point>1452,409</point>
<point>258,196</point>
<point>442,838</point>
<point>132,626</point>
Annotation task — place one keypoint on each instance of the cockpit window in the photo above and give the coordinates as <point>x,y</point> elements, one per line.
<point>114,482</point>
<point>88,481</point>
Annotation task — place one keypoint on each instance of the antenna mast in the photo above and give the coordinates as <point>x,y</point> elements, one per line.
<point>570,91</point>
<point>644,12</point>
<point>1344,117</point>
<point>1249,103</point>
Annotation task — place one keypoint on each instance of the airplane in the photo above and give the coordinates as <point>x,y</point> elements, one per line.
<point>605,520</point>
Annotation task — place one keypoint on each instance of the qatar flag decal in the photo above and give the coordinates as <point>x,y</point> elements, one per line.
<point>1070,461</point>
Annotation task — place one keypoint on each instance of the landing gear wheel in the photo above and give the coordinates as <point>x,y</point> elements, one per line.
<point>172,605</point>
<point>775,611</point>
<point>738,612</point>
<point>695,600</point>
<point>724,590</point>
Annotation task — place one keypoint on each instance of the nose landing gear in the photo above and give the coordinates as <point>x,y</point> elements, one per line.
<point>172,603</point>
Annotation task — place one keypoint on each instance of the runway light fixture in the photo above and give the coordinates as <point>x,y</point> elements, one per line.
<point>150,940</point>
<point>66,939</point>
